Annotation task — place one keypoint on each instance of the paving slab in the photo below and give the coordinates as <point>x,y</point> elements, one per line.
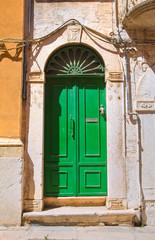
<point>37,232</point>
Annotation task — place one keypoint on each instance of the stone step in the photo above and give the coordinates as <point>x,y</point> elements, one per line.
<point>81,216</point>
<point>51,202</point>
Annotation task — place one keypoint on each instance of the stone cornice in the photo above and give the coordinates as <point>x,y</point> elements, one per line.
<point>11,142</point>
<point>36,77</point>
<point>115,76</point>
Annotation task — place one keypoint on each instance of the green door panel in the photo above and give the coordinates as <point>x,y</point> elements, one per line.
<point>75,136</point>
<point>92,127</point>
<point>59,181</point>
<point>92,180</point>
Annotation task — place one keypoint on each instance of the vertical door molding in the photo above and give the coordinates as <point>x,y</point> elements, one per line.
<point>34,144</point>
<point>116,146</point>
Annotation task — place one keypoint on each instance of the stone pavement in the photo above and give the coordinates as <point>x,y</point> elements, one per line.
<point>77,233</point>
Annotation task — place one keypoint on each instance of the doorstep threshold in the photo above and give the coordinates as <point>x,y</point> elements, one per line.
<point>81,216</point>
<point>51,202</point>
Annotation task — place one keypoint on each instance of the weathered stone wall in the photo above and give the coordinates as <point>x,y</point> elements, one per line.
<point>141,62</point>
<point>48,15</point>
<point>11,172</point>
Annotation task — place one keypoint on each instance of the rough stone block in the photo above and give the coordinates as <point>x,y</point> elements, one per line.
<point>10,191</point>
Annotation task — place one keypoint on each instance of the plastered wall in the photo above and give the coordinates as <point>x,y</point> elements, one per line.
<point>11,20</point>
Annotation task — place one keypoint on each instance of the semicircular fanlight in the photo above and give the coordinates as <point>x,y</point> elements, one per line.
<point>75,60</point>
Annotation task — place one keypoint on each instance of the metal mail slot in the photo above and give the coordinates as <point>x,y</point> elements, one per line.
<point>91,120</point>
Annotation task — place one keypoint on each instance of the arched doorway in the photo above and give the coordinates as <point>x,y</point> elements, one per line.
<point>75,148</point>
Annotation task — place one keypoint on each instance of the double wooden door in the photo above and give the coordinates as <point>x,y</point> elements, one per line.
<point>75,161</point>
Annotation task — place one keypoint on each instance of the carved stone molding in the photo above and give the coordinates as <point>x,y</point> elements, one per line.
<point>145,106</point>
<point>33,205</point>
<point>117,204</point>
<point>10,142</point>
<point>115,77</point>
<point>36,77</point>
<point>145,92</point>
<point>74,33</point>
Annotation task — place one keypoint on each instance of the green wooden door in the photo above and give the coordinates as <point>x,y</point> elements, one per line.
<point>75,136</point>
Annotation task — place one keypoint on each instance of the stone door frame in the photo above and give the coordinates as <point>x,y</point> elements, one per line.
<point>34,155</point>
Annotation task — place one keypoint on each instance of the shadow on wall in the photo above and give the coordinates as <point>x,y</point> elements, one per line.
<point>4,53</point>
<point>35,51</point>
<point>53,146</point>
<point>29,185</point>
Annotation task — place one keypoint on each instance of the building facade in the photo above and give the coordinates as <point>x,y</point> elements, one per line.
<point>87,124</point>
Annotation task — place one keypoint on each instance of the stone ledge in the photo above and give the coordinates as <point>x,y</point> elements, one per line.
<point>10,142</point>
<point>11,148</point>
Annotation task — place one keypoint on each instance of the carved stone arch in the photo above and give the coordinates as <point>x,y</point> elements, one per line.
<point>107,52</point>
<point>75,59</point>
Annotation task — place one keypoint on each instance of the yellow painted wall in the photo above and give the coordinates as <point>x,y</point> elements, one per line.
<point>11,26</point>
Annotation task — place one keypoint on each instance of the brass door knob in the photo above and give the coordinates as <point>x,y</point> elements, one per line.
<point>102,110</point>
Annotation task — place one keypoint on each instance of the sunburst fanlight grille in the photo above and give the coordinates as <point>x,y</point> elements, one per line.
<point>75,60</point>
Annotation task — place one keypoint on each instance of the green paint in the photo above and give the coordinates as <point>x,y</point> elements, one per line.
<point>75,136</point>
